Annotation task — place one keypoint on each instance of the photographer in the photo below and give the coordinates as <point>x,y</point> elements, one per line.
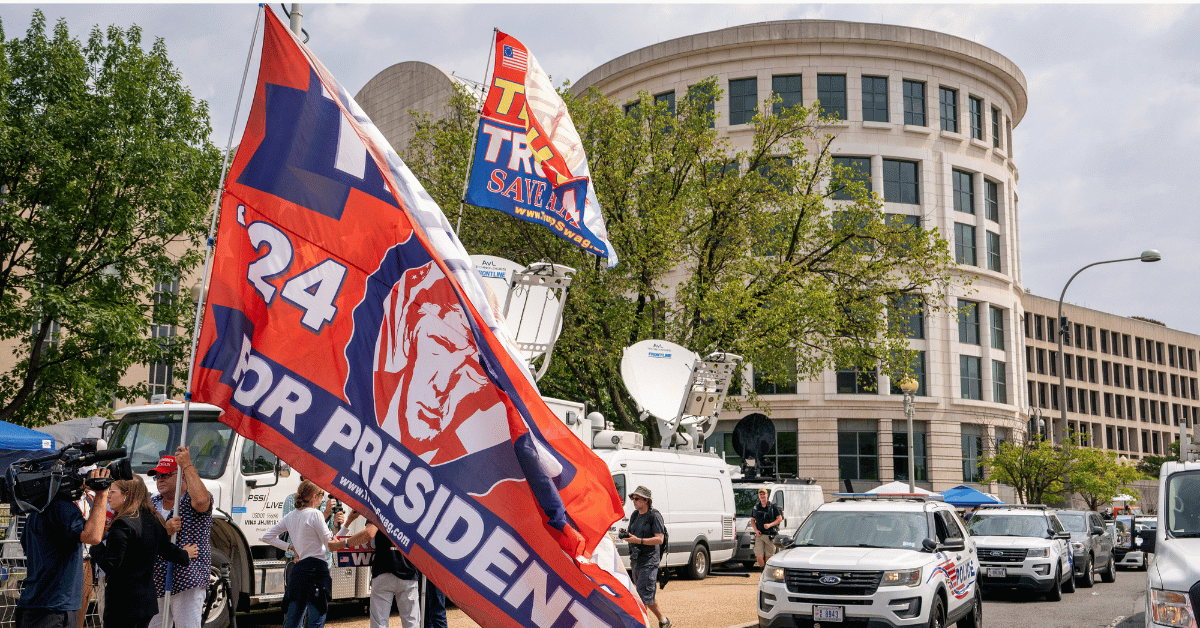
<point>52,542</point>
<point>645,535</point>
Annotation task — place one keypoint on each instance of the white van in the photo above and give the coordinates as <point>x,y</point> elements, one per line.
<point>795,498</point>
<point>693,492</point>
<point>1173,577</point>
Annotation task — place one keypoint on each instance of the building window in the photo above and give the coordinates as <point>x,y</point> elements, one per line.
<point>900,182</point>
<point>948,103</point>
<point>917,372</point>
<point>997,328</point>
<point>991,200</point>
<point>704,94</point>
<point>968,322</point>
<point>875,98</point>
<point>972,451</point>
<point>767,383</point>
<point>993,251</point>
<point>633,109</point>
<point>668,99</point>
<point>907,315</point>
<point>831,92</point>
<point>964,244</point>
<point>1008,136</point>
<point>995,127</point>
<point>855,381</point>
<point>1091,338</point>
<point>858,449</point>
<point>964,191</point>
<point>783,459</point>
<point>743,100</point>
<point>161,377</point>
<point>914,103</point>
<point>787,88</point>
<point>858,170</point>
<point>970,376</point>
<point>900,451</point>
<point>999,382</point>
<point>975,110</point>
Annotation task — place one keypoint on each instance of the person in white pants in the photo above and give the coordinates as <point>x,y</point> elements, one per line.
<point>393,579</point>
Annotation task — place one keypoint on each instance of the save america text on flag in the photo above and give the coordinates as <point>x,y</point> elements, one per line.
<point>529,160</point>
<point>345,331</point>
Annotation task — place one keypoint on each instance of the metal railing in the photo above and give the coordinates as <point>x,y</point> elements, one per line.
<point>12,575</point>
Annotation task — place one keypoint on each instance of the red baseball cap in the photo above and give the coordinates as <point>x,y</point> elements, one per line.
<point>166,465</point>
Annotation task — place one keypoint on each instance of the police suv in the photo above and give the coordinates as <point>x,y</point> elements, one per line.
<point>874,560</point>
<point>1024,547</point>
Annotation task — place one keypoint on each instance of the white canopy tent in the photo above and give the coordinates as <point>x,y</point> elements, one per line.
<point>893,488</point>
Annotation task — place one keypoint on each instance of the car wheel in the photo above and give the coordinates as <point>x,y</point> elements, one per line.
<point>974,619</point>
<point>937,616</point>
<point>1110,574</point>
<point>1069,585</point>
<point>1089,577</point>
<point>698,564</point>
<point>1056,591</point>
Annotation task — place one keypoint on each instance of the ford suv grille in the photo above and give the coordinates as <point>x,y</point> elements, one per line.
<point>832,582</point>
<point>994,555</point>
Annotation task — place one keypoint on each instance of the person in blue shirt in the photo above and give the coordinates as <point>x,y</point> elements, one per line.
<point>53,545</point>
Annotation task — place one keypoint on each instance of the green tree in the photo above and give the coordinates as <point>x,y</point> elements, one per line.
<point>1038,470</point>
<point>105,169</point>
<point>1152,465</point>
<point>1098,476</point>
<point>745,251</point>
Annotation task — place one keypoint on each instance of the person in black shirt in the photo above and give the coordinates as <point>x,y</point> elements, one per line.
<point>767,517</point>
<point>392,578</point>
<point>645,535</point>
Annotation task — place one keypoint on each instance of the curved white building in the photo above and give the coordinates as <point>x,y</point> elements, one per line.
<point>930,117</point>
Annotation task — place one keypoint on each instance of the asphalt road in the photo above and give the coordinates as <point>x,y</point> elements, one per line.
<point>727,598</point>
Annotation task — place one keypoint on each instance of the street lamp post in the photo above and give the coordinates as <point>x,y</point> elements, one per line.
<point>909,386</point>
<point>1060,431</point>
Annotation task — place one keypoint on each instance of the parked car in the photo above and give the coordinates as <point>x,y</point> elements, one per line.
<point>1091,546</point>
<point>1130,555</point>
<point>1023,547</point>
<point>795,498</point>
<point>878,561</point>
<point>1173,578</point>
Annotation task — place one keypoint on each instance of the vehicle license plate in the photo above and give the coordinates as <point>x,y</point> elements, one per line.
<point>996,572</point>
<point>827,613</point>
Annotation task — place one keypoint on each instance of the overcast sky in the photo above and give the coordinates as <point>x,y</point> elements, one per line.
<point>1108,149</point>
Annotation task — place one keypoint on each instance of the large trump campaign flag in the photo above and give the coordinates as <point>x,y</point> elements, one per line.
<point>529,160</point>
<point>347,332</point>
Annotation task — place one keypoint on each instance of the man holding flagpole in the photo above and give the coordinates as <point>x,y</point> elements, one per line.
<point>191,517</point>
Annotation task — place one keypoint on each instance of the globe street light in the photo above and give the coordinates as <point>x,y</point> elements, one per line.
<point>1061,431</point>
<point>909,386</point>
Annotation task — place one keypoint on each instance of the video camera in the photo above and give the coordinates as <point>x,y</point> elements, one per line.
<point>31,484</point>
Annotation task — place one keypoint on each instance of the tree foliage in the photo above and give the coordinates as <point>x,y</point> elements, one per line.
<point>1098,476</point>
<point>741,250</point>
<point>104,162</point>
<point>1152,465</point>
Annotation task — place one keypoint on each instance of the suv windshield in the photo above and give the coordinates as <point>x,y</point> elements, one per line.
<point>148,436</point>
<point>1008,525</point>
<point>1183,498</point>
<point>1074,523</point>
<point>899,530</point>
<point>745,499</point>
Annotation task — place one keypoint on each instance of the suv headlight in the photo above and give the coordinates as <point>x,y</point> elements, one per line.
<point>1038,552</point>
<point>905,578</point>
<point>773,574</point>
<point>1171,608</point>
<point>1075,545</point>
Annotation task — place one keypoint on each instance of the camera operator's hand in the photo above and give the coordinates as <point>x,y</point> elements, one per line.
<point>330,504</point>
<point>100,472</point>
<point>339,519</point>
<point>173,524</point>
<point>192,550</point>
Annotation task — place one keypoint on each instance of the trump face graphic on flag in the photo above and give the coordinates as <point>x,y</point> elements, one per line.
<point>414,367</point>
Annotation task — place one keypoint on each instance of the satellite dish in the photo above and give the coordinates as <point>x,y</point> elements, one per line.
<point>532,310</point>
<point>656,374</point>
<point>753,439</point>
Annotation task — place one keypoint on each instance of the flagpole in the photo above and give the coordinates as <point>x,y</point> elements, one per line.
<point>202,297</point>
<point>471,160</point>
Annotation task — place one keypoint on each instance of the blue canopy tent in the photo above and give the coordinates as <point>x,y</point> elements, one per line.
<point>18,442</point>
<point>963,495</point>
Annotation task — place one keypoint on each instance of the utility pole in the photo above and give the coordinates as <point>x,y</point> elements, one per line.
<point>296,15</point>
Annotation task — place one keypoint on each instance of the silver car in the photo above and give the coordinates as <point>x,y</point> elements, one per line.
<point>1091,546</point>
